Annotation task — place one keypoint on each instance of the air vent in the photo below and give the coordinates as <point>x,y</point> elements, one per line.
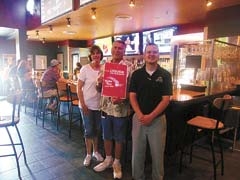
<point>124,17</point>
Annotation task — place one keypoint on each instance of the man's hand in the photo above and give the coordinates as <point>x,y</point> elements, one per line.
<point>145,119</point>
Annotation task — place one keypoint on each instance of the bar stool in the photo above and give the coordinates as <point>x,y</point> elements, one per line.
<point>62,97</point>
<point>8,121</point>
<point>42,102</point>
<point>232,120</point>
<point>210,128</point>
<point>72,90</point>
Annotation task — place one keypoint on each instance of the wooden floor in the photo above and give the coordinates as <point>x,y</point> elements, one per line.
<point>52,155</point>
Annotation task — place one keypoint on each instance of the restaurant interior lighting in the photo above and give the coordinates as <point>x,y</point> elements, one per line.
<point>43,40</point>
<point>68,22</point>
<point>50,28</point>
<point>93,13</point>
<point>208,3</point>
<point>131,3</point>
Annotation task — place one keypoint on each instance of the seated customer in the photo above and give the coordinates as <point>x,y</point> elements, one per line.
<point>76,71</point>
<point>24,74</point>
<point>49,79</point>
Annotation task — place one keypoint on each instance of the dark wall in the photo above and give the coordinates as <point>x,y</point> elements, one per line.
<point>224,22</point>
<point>12,13</point>
<point>38,48</point>
<point>7,46</point>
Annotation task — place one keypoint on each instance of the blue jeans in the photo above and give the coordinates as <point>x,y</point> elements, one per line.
<point>91,123</point>
<point>114,128</point>
<point>155,134</point>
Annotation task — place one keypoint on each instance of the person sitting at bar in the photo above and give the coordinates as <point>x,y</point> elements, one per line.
<point>76,71</point>
<point>24,73</point>
<point>49,79</point>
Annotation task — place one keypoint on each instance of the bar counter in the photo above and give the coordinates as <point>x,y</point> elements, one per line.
<point>184,105</point>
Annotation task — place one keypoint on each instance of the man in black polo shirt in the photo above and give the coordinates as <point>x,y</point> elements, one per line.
<point>150,92</point>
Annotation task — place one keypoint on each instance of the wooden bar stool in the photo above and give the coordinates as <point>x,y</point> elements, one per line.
<point>209,128</point>
<point>42,102</point>
<point>72,90</point>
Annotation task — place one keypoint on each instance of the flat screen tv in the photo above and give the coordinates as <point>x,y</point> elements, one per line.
<point>131,41</point>
<point>51,9</point>
<point>161,37</point>
<point>193,61</point>
<point>105,44</point>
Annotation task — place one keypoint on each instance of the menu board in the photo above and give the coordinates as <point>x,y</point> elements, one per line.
<point>51,9</point>
<point>83,2</point>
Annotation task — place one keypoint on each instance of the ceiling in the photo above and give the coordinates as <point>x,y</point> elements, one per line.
<point>147,14</point>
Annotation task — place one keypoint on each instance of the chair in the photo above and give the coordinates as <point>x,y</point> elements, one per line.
<point>29,94</point>
<point>7,121</point>
<point>62,97</point>
<point>231,122</point>
<point>72,90</point>
<point>42,102</point>
<point>207,127</point>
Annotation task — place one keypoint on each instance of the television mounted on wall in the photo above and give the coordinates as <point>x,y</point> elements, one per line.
<point>161,37</point>
<point>51,9</point>
<point>132,42</point>
<point>193,61</point>
<point>105,44</point>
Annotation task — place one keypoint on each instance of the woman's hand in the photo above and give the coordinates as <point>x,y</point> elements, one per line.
<point>85,109</point>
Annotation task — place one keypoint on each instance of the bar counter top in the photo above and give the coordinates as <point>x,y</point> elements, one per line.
<point>182,95</point>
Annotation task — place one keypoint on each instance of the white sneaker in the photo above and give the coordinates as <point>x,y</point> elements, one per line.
<point>98,156</point>
<point>103,165</point>
<point>117,171</point>
<point>87,160</point>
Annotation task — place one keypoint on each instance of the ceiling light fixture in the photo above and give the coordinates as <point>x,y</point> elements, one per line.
<point>68,22</point>
<point>37,33</point>
<point>208,3</point>
<point>43,40</point>
<point>50,28</point>
<point>93,13</point>
<point>131,3</point>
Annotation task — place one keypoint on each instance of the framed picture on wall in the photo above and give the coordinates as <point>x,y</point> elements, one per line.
<point>8,59</point>
<point>75,59</point>
<point>40,62</point>
<point>60,58</point>
<point>30,60</point>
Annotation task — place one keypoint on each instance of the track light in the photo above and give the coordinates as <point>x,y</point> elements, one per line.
<point>208,3</point>
<point>131,3</point>
<point>68,22</point>
<point>50,28</point>
<point>93,13</point>
<point>37,33</point>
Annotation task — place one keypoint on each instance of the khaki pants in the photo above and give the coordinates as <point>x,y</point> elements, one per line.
<point>155,134</point>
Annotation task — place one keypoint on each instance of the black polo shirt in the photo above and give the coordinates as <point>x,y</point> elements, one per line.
<point>150,89</point>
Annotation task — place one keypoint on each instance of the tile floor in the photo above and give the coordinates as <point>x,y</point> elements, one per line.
<point>52,155</point>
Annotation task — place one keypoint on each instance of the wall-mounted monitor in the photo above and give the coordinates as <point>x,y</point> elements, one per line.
<point>193,61</point>
<point>161,37</point>
<point>51,9</point>
<point>105,44</point>
<point>85,2</point>
<point>132,42</point>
